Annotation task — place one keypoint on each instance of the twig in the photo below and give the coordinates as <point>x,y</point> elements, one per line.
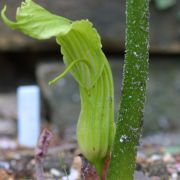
<point>41,151</point>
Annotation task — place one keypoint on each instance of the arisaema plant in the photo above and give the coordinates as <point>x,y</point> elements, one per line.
<point>83,58</point>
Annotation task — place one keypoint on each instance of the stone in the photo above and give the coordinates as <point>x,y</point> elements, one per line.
<point>162,105</point>
<point>7,144</point>
<point>161,111</point>
<point>168,158</point>
<point>7,127</point>
<point>164,4</point>
<point>55,172</point>
<point>96,11</point>
<point>63,98</point>
<point>8,109</point>
<point>107,16</point>
<point>138,175</point>
<point>8,114</point>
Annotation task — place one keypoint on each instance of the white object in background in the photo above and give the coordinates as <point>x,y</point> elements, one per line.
<point>28,102</point>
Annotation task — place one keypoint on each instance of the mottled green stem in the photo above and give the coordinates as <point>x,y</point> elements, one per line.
<point>129,123</point>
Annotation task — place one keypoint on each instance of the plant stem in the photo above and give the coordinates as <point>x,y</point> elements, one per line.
<point>41,151</point>
<point>129,123</point>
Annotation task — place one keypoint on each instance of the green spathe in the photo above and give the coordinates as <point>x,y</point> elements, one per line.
<point>83,57</point>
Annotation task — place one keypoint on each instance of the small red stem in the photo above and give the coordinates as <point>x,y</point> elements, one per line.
<point>41,151</point>
<point>88,172</point>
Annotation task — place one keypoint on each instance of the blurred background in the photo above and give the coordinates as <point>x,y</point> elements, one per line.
<point>25,61</point>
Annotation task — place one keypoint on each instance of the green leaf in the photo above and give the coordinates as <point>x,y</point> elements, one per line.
<point>37,22</point>
<point>78,39</point>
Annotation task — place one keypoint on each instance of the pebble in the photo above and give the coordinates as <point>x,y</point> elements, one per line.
<point>168,158</point>
<point>171,168</point>
<point>75,170</point>
<point>4,165</point>
<point>6,175</point>
<point>154,157</point>
<point>74,175</point>
<point>177,157</point>
<point>174,176</point>
<point>7,127</point>
<point>138,175</point>
<point>178,167</point>
<point>141,158</point>
<point>55,172</point>
<point>6,143</point>
<point>155,178</point>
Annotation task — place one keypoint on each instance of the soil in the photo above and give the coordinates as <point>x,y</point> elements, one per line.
<point>155,161</point>
<point>158,156</point>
